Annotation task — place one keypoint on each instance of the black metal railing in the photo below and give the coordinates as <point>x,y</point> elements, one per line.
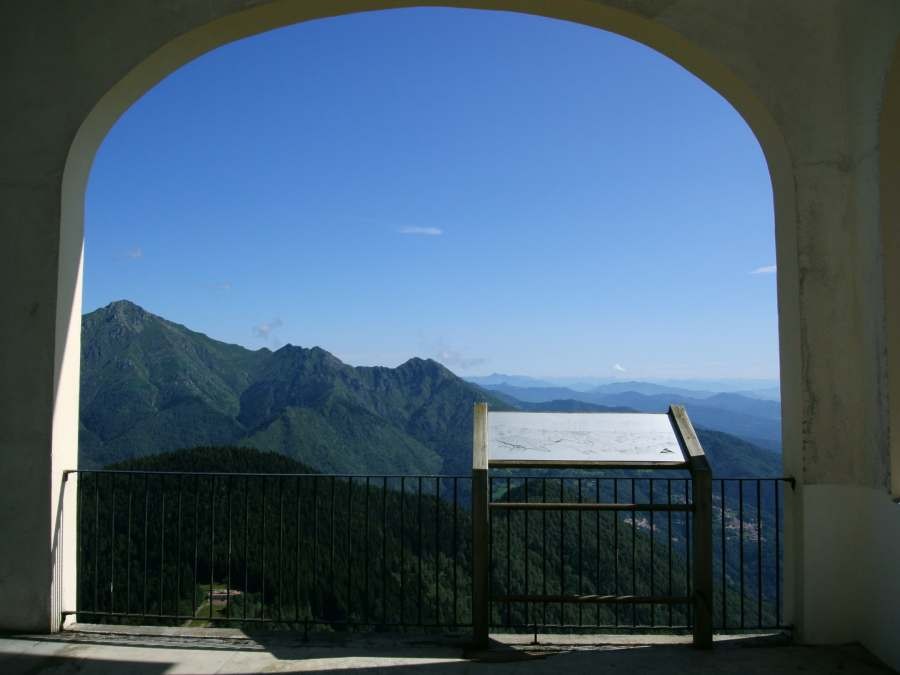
<point>394,552</point>
<point>363,552</point>
<point>642,553</point>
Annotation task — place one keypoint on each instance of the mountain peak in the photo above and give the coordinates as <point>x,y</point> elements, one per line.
<point>420,364</point>
<point>126,313</point>
<point>292,356</point>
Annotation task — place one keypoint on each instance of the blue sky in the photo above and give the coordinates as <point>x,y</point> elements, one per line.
<point>498,191</point>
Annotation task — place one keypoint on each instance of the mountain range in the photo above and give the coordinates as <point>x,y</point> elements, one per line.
<point>767,390</point>
<point>149,385</point>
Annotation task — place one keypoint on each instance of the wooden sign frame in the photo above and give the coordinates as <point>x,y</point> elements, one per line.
<point>694,461</point>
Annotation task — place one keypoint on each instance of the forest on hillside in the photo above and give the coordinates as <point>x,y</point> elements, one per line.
<point>259,538</point>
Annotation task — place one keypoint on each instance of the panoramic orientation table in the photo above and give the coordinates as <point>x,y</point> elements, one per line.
<point>590,441</point>
<point>583,439</point>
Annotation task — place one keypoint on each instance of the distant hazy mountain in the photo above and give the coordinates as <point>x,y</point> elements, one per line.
<point>514,380</point>
<point>768,394</point>
<point>754,419</point>
<point>757,389</point>
<point>149,385</point>
<point>648,388</point>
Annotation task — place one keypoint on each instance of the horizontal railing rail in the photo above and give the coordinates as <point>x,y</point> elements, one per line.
<point>367,552</point>
<point>623,544</point>
<point>299,550</point>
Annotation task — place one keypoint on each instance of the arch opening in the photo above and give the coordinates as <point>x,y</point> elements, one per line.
<point>229,28</point>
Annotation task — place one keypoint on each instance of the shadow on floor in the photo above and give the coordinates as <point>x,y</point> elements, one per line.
<point>137,654</point>
<point>32,664</point>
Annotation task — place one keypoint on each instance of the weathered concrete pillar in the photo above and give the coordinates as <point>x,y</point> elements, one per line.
<point>842,527</point>
<point>39,335</point>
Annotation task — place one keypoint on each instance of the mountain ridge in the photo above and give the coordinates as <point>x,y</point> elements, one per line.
<point>150,385</point>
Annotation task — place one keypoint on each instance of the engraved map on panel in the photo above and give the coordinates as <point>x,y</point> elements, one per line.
<point>582,437</point>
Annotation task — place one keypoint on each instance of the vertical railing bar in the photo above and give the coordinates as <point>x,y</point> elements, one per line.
<point>652,559</point>
<point>196,544</point>
<point>544,545</point>
<point>384,530</point>
<point>146,537</point>
<point>81,530</point>
<point>366,554</point>
<point>299,518</point>
<point>262,541</point>
<point>759,576</point>
<point>178,548</point>
<point>527,555</point>
<point>615,515</point>
<point>669,552</point>
<point>508,553</point>
<point>212,540</point>
<point>112,548</point>
<point>633,556</point>
<point>598,590</point>
<point>777,486</point>
<point>687,539</point>
<point>349,547</point>
<point>419,549</point>
<point>331,538</point>
<point>491,523</point>
<point>280,595</point>
<point>580,555</point>
<point>228,483</point>
<point>97,545</point>
<point>437,550</point>
<point>162,543</point>
<point>315,606</point>
<point>402,551</point>
<point>246,588</point>
<point>127,544</point>
<point>741,525</point>
<point>455,549</point>
<point>724,552</point>
<point>562,548</point>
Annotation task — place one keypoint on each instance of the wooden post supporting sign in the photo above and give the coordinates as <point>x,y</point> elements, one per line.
<point>480,528</point>
<point>702,533</point>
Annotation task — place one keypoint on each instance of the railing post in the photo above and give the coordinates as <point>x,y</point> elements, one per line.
<point>480,528</point>
<point>701,539</point>
<point>702,564</point>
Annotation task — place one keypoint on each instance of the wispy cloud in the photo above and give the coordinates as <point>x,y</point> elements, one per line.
<point>266,330</point>
<point>618,367</point>
<point>134,253</point>
<point>221,286</point>
<point>768,269</point>
<point>422,231</point>
<point>454,359</point>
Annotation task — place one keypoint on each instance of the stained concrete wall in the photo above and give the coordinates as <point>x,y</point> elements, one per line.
<point>889,175</point>
<point>807,75</point>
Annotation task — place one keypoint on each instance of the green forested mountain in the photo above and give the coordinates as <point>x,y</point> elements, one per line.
<point>149,385</point>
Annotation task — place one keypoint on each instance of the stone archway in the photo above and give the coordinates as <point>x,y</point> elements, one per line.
<point>809,83</point>
<point>229,26</point>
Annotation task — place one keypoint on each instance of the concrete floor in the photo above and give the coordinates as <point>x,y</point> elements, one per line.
<point>152,651</point>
